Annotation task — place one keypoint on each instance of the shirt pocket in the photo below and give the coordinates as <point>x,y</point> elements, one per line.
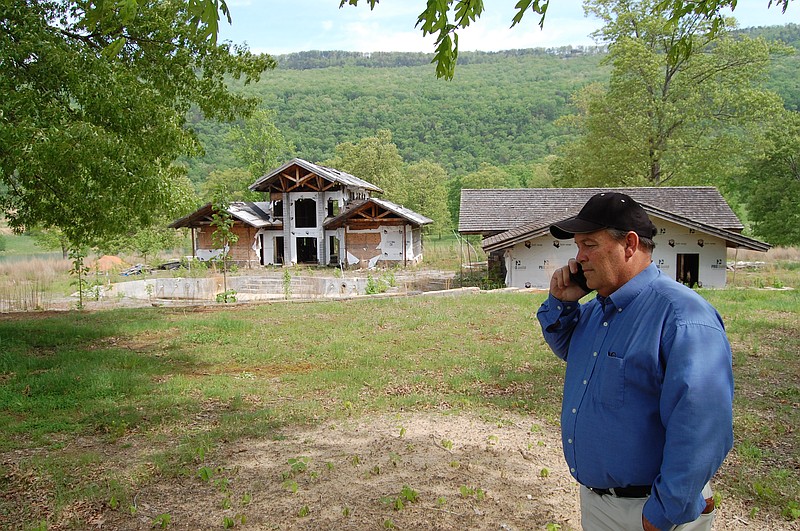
<point>612,382</point>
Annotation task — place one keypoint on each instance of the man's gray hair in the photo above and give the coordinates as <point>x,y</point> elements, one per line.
<point>645,244</point>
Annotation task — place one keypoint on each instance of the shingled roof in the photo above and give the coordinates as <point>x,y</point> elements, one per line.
<point>492,211</point>
<point>298,171</point>
<point>535,229</point>
<point>376,209</point>
<point>251,213</point>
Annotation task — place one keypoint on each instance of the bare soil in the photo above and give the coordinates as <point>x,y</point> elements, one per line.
<point>420,471</point>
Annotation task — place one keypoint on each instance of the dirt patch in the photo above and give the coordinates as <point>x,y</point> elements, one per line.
<point>425,471</point>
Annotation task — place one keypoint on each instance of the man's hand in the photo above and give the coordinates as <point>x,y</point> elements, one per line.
<point>647,526</point>
<point>562,287</point>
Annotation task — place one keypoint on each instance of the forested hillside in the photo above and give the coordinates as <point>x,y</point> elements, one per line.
<point>500,109</point>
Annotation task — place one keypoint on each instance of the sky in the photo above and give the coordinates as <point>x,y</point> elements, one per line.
<point>284,26</point>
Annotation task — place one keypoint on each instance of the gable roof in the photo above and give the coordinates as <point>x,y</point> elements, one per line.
<point>374,209</point>
<point>299,172</point>
<point>493,211</point>
<point>538,228</point>
<point>255,214</point>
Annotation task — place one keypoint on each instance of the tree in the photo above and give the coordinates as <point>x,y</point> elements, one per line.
<point>93,104</point>
<point>147,240</point>
<point>223,235</point>
<point>445,17</point>
<point>427,193</point>
<point>771,186</point>
<point>232,183</point>
<point>667,117</point>
<point>376,160</point>
<point>488,176</point>
<point>52,239</point>
<point>259,144</point>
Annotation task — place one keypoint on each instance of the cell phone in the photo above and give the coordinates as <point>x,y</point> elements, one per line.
<point>580,279</point>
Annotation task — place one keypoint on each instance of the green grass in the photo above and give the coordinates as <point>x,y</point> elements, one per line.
<point>764,329</point>
<point>178,383</point>
<point>19,244</point>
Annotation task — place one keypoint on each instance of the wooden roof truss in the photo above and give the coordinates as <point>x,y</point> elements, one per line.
<point>298,179</point>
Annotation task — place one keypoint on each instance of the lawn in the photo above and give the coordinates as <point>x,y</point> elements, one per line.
<point>178,388</point>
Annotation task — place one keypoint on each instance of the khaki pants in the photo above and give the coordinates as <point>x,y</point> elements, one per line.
<point>608,513</point>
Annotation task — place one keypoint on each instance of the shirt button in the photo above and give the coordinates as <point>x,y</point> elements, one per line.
<point>574,410</point>
<point>620,310</point>
<point>585,382</point>
<point>558,307</point>
<point>605,324</point>
<point>594,354</point>
<point>572,470</point>
<point>569,441</point>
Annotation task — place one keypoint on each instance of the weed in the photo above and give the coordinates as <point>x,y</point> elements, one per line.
<point>346,511</point>
<point>227,296</point>
<point>407,495</point>
<point>287,284</point>
<point>791,511</point>
<point>441,500</point>
<point>388,524</point>
<point>553,527</point>
<point>304,511</point>
<point>228,522</point>
<point>298,465</point>
<point>162,520</point>
<point>205,473</point>
<point>373,286</point>
<point>447,444</point>
<point>543,473</point>
<point>394,459</point>
<point>467,492</point>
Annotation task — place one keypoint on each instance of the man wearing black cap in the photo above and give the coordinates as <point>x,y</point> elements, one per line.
<point>646,417</point>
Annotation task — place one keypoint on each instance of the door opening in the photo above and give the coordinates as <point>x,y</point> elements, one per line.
<point>307,251</point>
<point>333,245</point>
<point>688,270</point>
<point>262,252</point>
<point>278,250</point>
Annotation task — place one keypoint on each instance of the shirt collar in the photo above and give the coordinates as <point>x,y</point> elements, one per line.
<point>624,295</point>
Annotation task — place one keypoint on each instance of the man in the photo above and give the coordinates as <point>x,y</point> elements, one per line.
<point>647,414</point>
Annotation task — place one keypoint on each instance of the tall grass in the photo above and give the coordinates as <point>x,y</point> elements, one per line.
<point>27,285</point>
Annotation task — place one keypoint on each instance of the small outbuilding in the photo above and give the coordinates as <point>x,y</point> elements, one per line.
<point>695,228</point>
<point>313,215</point>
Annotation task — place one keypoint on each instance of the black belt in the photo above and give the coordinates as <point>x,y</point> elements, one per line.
<point>636,491</point>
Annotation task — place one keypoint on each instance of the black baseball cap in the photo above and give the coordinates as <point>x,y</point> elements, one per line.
<point>607,210</point>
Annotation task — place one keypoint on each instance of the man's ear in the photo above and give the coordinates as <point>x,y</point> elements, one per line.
<point>631,244</point>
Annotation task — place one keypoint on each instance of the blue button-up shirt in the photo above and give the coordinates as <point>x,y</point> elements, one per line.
<point>648,392</point>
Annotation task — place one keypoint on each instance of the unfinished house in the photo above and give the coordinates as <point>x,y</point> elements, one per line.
<point>695,228</point>
<point>314,215</point>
